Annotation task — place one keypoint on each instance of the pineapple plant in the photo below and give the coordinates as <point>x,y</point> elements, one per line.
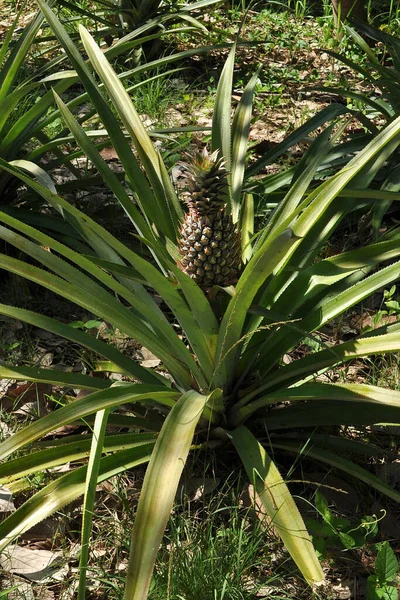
<point>209,244</point>
<point>223,372</point>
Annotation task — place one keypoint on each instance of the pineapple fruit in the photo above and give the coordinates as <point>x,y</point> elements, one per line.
<point>209,245</point>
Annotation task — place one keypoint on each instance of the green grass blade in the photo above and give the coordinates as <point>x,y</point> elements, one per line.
<point>278,503</point>
<point>159,490</point>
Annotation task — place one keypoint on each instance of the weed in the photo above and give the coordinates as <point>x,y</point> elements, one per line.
<point>380,586</point>
<point>338,531</point>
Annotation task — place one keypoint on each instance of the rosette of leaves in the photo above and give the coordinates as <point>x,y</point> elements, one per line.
<point>224,379</point>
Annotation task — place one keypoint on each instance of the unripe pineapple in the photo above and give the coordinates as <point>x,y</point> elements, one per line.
<point>210,244</point>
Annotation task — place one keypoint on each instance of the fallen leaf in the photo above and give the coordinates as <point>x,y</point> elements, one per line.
<point>109,153</point>
<point>28,399</point>
<point>35,565</point>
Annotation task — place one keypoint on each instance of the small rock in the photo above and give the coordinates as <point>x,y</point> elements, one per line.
<point>6,501</point>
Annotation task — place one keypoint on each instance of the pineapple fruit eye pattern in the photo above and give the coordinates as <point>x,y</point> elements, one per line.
<point>210,244</point>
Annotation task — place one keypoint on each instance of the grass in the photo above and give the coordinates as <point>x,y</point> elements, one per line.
<point>214,553</point>
<point>215,549</point>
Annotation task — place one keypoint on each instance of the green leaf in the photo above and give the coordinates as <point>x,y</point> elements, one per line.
<point>68,332</point>
<point>53,376</point>
<point>328,413</point>
<point>221,124</point>
<point>278,502</point>
<point>64,490</point>
<point>247,227</point>
<point>92,475</point>
<point>386,565</point>
<point>108,175</point>
<point>340,463</point>
<point>349,392</point>
<point>326,114</point>
<point>11,68</point>
<point>133,171</point>
<point>338,354</point>
<point>167,203</point>
<point>159,490</point>
<point>305,171</point>
<point>207,324</point>
<point>110,398</point>
<point>322,506</point>
<point>240,140</point>
<point>347,540</point>
<point>256,272</point>
<point>74,448</point>
<point>84,291</point>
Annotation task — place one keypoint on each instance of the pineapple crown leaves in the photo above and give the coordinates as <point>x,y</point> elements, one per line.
<point>206,182</point>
